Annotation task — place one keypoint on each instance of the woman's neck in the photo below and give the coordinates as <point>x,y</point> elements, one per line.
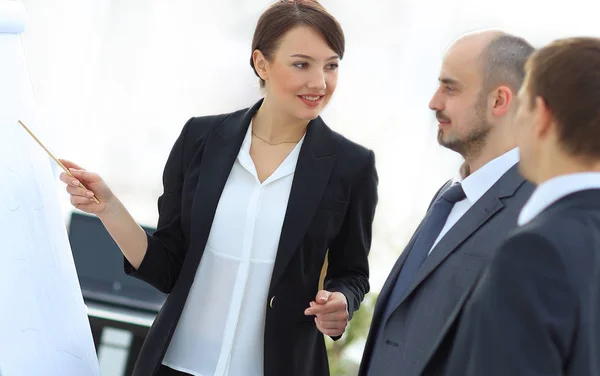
<point>274,127</point>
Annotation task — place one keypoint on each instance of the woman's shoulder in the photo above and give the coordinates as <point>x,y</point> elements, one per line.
<point>351,152</point>
<point>198,129</point>
<point>347,146</point>
<point>352,159</point>
<point>201,125</point>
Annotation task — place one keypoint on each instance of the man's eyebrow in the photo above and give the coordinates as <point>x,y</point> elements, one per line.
<point>448,81</point>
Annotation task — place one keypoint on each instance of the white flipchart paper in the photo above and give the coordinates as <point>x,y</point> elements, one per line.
<point>44,329</point>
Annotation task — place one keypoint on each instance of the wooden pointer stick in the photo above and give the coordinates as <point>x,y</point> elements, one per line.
<point>55,160</point>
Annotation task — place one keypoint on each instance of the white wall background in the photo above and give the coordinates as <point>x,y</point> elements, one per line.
<point>115,80</point>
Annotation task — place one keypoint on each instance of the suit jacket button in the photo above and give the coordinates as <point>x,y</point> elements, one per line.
<point>271,301</point>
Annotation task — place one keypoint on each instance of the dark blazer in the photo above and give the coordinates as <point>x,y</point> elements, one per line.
<point>331,208</point>
<point>415,333</point>
<point>536,311</point>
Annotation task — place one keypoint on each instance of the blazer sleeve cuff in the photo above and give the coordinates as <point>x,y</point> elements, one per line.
<point>147,267</point>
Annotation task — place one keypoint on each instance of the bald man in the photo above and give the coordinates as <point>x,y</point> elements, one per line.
<point>416,313</point>
<point>536,309</point>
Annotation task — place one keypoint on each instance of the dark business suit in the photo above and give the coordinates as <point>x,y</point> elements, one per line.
<point>536,311</point>
<point>414,335</point>
<point>331,208</point>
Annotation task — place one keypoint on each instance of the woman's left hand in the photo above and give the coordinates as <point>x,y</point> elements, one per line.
<point>331,311</point>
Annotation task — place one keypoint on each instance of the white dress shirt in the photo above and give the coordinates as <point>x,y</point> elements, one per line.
<point>476,185</point>
<point>221,330</point>
<point>554,189</point>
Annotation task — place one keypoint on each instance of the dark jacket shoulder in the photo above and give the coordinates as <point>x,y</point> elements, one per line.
<point>352,159</point>
<point>197,129</point>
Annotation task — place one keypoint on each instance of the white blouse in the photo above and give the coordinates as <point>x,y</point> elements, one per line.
<point>221,329</point>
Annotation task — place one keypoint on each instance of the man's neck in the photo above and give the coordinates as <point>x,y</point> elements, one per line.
<point>486,155</point>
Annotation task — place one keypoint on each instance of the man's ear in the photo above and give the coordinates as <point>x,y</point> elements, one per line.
<point>501,99</point>
<point>543,118</point>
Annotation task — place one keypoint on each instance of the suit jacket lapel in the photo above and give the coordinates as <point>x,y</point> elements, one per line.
<point>384,294</point>
<point>450,321</point>
<point>315,163</point>
<point>220,151</point>
<point>481,212</point>
<point>393,276</point>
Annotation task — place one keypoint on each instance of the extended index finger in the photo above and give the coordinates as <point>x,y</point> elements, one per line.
<point>85,176</point>
<point>331,306</point>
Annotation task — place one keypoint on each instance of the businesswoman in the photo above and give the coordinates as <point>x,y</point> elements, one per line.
<point>253,200</point>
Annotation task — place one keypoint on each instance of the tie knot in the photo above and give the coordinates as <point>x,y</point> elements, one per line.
<point>454,194</point>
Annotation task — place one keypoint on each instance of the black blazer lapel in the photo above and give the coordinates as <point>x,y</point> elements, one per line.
<point>483,210</point>
<point>315,163</point>
<point>220,151</point>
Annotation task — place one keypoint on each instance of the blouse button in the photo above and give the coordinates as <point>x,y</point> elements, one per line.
<point>271,301</point>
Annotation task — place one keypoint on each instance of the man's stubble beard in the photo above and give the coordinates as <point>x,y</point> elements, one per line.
<point>474,142</point>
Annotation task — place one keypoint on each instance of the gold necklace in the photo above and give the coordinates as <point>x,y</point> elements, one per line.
<point>274,144</point>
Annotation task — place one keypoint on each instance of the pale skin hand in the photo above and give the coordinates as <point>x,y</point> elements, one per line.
<point>331,311</point>
<point>124,230</point>
<point>82,198</point>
